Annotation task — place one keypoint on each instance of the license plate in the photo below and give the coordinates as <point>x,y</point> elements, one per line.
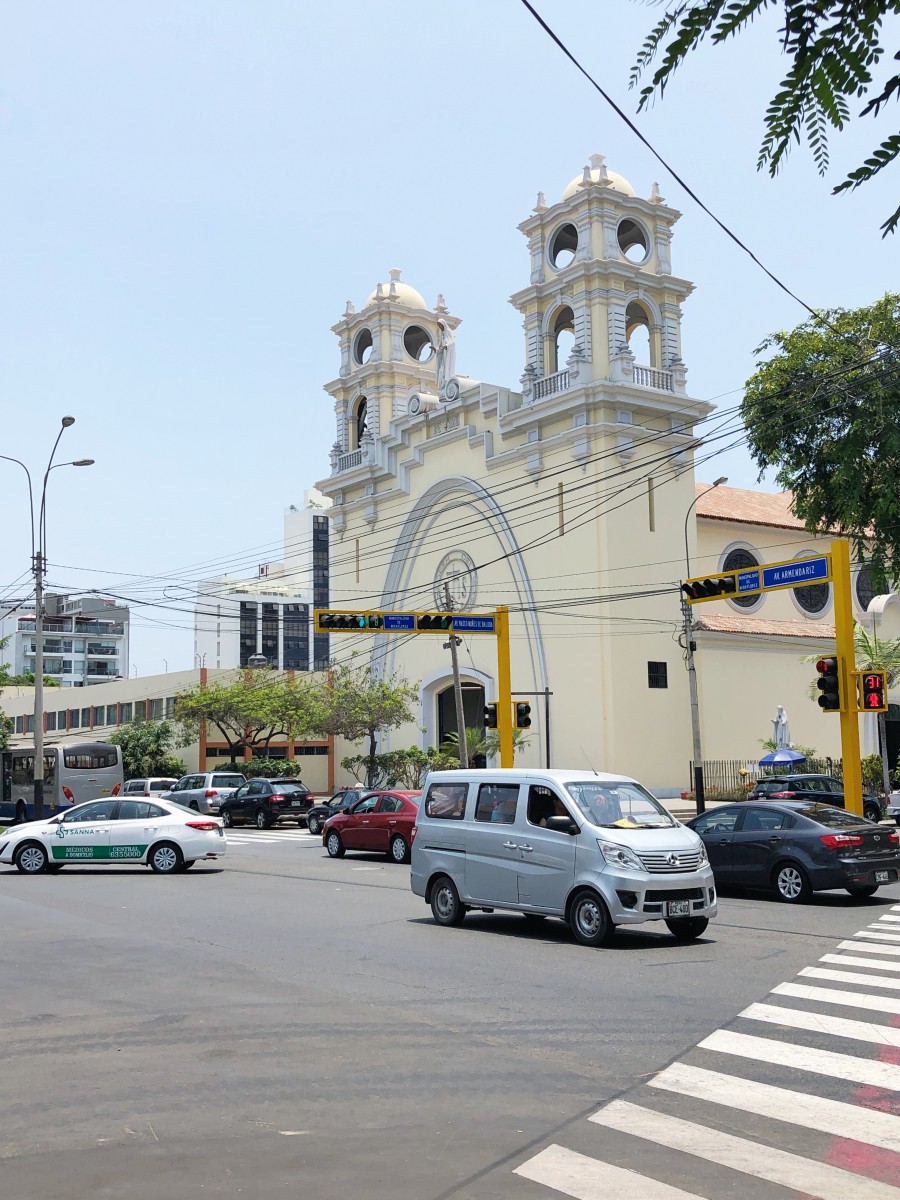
<point>678,908</point>
<point>296,803</point>
<point>882,876</point>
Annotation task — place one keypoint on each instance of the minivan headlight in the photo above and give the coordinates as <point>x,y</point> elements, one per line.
<point>620,856</point>
<point>704,857</point>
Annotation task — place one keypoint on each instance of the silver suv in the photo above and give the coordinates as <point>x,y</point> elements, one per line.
<point>205,790</point>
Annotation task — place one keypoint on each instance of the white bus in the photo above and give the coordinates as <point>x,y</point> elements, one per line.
<point>73,772</point>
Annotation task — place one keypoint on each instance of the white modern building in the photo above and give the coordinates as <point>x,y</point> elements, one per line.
<point>240,621</point>
<point>85,638</point>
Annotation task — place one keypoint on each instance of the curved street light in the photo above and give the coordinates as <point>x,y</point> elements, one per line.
<point>38,566</point>
<point>699,789</point>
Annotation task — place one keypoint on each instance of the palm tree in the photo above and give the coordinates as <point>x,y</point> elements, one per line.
<point>484,742</point>
<point>878,654</point>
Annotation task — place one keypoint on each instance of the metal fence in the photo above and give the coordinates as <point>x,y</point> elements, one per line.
<point>732,779</point>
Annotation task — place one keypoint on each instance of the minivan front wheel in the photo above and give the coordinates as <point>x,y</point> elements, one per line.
<point>446,906</point>
<point>687,928</point>
<point>589,920</point>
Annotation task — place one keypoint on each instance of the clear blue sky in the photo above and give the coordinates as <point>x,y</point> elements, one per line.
<point>192,189</point>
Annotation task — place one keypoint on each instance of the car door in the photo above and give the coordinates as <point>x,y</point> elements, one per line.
<point>256,790</point>
<point>757,842</point>
<point>356,828</point>
<point>547,866</point>
<point>716,829</point>
<point>82,834</point>
<point>492,845</point>
<point>383,821</point>
<point>239,803</point>
<point>136,825</point>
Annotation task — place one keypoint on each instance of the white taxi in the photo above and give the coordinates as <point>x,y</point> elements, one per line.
<point>155,832</point>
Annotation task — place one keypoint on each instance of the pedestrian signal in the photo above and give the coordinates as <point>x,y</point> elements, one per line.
<point>331,621</point>
<point>426,621</point>
<point>873,691</point>
<point>523,716</point>
<point>829,684</point>
<point>490,716</point>
<point>709,589</point>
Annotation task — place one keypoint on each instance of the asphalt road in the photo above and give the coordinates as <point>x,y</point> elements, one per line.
<point>295,1026</point>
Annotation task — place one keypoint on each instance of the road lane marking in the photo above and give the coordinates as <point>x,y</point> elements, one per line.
<point>804,1058</point>
<point>865,948</point>
<point>849,977</point>
<point>888,917</point>
<point>805,1175</point>
<point>834,996</point>
<point>872,963</point>
<point>879,937</point>
<point>782,1104</point>
<point>587,1178</point>
<point>842,1027</point>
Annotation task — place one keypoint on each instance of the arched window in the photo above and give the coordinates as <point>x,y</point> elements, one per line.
<point>864,588</point>
<point>563,334</point>
<point>738,560</point>
<point>360,417</point>
<point>637,334</point>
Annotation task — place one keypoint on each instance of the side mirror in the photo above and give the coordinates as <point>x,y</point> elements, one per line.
<point>563,825</point>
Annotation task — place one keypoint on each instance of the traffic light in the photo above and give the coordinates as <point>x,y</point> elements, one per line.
<point>829,684</point>
<point>427,621</point>
<point>328,621</point>
<point>523,716</point>
<point>873,691</point>
<point>490,716</point>
<point>705,589</point>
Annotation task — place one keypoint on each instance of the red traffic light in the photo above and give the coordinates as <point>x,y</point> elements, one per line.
<point>707,589</point>
<point>874,691</point>
<point>829,684</point>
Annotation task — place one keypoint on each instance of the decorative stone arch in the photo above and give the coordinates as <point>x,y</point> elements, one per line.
<point>642,311</point>
<point>434,684</point>
<point>560,319</point>
<point>358,406</point>
<point>415,534</point>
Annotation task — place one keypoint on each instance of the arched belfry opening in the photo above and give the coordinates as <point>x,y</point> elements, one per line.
<point>359,422</point>
<point>562,338</point>
<point>637,334</point>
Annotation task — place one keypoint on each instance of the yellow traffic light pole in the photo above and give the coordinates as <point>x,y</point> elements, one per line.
<point>846,656</point>
<point>504,687</point>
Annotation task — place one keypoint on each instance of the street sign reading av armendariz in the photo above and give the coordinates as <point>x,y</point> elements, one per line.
<point>796,573</point>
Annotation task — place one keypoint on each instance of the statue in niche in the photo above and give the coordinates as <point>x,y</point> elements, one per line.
<point>446,358</point>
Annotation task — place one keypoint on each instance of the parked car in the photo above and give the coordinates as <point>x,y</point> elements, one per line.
<point>797,847</point>
<point>148,787</point>
<point>265,802</point>
<point>821,788</point>
<point>205,791</point>
<point>380,821</point>
<point>339,802</point>
<point>128,829</point>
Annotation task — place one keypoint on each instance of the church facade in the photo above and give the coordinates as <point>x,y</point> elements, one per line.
<point>570,500</point>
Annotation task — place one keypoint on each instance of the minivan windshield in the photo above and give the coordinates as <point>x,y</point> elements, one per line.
<point>619,804</point>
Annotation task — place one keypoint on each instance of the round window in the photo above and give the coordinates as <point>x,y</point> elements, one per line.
<point>363,346</point>
<point>813,598</point>
<point>563,245</point>
<point>633,241</point>
<point>418,344</point>
<point>739,560</point>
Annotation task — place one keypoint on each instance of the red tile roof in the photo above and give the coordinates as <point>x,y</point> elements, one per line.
<point>747,507</point>
<point>727,623</point>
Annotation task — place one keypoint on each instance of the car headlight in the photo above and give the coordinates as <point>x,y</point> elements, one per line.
<point>704,857</point>
<point>620,856</point>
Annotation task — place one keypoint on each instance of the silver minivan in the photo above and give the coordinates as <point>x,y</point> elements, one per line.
<point>596,850</point>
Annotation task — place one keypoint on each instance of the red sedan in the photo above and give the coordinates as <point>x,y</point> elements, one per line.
<point>379,821</point>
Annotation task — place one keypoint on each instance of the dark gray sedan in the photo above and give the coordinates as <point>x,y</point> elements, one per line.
<point>795,848</point>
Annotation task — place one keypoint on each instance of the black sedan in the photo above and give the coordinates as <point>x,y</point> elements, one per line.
<point>339,802</point>
<point>265,802</point>
<point>823,789</point>
<point>795,848</point>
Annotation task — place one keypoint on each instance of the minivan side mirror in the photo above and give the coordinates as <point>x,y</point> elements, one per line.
<point>562,825</point>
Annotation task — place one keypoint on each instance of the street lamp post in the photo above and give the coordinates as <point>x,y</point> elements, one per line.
<point>38,566</point>
<point>699,792</point>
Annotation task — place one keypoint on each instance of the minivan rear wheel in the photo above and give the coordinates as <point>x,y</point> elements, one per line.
<point>589,920</point>
<point>446,906</point>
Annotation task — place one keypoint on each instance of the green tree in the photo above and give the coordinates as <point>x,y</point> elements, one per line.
<point>356,704</point>
<point>485,742</point>
<point>822,410</point>
<point>833,48</point>
<point>148,749</point>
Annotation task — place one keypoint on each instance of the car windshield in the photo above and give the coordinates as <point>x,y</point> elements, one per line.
<point>835,818</point>
<point>288,788</point>
<point>619,804</point>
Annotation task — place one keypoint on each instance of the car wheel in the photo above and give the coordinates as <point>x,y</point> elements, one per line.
<point>862,889</point>
<point>32,858</point>
<point>589,920</point>
<point>165,858</point>
<point>227,818</point>
<point>314,826</point>
<point>687,928</point>
<point>263,821</point>
<point>21,813</point>
<point>872,812</point>
<point>399,850</point>
<point>446,907</point>
<point>791,883</point>
<point>334,845</point>
<point>194,805</point>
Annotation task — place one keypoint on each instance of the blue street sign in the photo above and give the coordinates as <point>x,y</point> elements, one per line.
<point>748,581</point>
<point>804,570</point>
<point>400,620</point>
<point>473,624</point>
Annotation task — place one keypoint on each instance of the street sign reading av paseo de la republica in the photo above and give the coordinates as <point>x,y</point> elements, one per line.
<point>748,581</point>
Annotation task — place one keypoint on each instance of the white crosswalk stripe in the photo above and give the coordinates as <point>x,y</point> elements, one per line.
<point>817,1054</point>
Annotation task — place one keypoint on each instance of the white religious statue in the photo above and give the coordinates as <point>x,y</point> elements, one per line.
<point>446,360</point>
<point>781,731</point>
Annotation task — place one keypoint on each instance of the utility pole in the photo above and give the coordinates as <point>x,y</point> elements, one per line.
<point>39,684</point>
<point>699,790</point>
<point>457,687</point>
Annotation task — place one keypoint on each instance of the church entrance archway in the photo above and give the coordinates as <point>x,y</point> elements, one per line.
<point>473,712</point>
